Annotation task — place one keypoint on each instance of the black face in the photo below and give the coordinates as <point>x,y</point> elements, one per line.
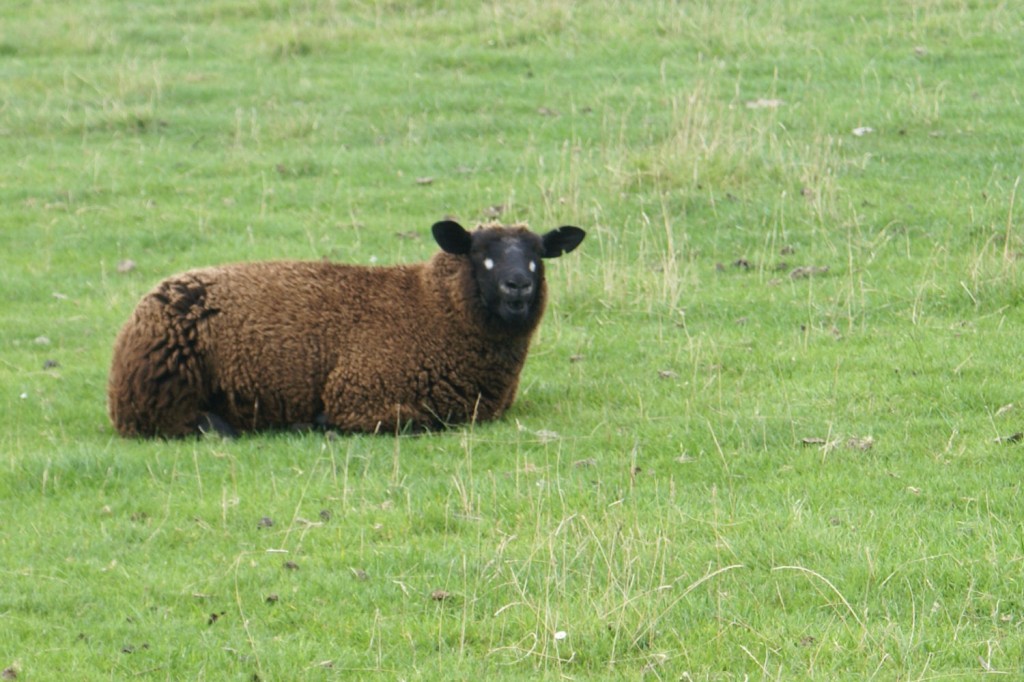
<point>509,273</point>
<point>508,266</point>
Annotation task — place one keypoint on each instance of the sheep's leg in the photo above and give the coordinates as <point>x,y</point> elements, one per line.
<point>210,422</point>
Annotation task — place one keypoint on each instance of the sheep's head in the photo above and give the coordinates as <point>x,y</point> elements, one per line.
<point>507,267</point>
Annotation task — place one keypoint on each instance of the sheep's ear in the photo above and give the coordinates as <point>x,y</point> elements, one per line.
<point>562,240</point>
<point>452,237</point>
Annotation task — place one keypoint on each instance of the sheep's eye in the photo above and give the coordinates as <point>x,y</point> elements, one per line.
<point>488,263</point>
<point>533,266</point>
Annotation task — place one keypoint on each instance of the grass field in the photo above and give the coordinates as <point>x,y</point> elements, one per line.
<point>768,429</point>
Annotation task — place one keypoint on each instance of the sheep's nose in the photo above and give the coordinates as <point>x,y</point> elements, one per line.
<point>520,287</point>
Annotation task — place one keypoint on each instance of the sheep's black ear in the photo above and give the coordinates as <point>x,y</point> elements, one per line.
<point>452,237</point>
<point>562,240</point>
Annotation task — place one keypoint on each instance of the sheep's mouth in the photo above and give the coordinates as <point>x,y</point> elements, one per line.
<point>515,310</point>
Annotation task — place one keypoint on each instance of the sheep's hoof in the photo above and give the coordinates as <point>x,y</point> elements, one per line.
<point>210,423</point>
<point>416,429</point>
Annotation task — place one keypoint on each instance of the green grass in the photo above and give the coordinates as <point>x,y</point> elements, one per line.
<point>685,487</point>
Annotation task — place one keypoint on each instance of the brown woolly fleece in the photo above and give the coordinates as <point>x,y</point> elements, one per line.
<point>280,344</point>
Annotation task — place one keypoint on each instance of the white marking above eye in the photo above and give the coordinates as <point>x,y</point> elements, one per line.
<point>488,263</point>
<point>533,266</point>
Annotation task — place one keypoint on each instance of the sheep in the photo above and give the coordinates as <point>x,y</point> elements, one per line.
<point>281,344</point>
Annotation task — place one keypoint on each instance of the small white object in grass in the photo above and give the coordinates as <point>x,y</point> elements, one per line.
<point>373,260</point>
<point>862,131</point>
<point>546,436</point>
<point>765,103</point>
<point>42,341</point>
<point>23,396</point>
<point>560,635</point>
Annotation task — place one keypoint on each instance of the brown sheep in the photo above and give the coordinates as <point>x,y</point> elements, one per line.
<point>286,343</point>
